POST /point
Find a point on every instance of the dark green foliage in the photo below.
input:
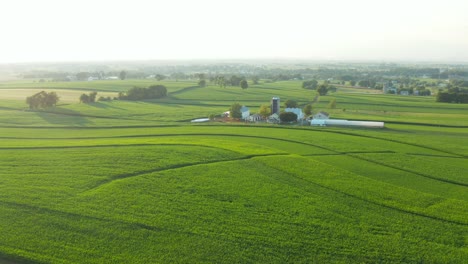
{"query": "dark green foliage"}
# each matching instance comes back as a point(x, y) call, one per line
point(86, 99)
point(244, 84)
point(332, 104)
point(123, 75)
point(287, 117)
point(139, 93)
point(159, 77)
point(82, 76)
point(255, 80)
point(202, 83)
point(102, 98)
point(220, 81)
point(322, 89)
point(235, 110)
point(307, 110)
point(290, 103)
point(235, 80)
point(312, 84)
point(42, 100)
point(453, 95)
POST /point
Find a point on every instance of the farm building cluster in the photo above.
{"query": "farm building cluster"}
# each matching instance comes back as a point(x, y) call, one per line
point(319, 119)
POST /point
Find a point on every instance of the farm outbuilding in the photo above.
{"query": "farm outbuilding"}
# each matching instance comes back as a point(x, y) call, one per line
point(297, 111)
point(340, 122)
point(255, 118)
point(245, 112)
point(322, 115)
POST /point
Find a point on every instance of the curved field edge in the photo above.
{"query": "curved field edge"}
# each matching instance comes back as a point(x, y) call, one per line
point(267, 215)
point(391, 196)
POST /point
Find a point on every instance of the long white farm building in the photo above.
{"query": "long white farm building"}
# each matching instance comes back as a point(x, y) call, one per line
point(341, 122)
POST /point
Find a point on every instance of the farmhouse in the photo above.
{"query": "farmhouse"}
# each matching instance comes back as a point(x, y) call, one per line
point(255, 118)
point(245, 112)
point(322, 115)
point(404, 92)
point(274, 118)
point(297, 111)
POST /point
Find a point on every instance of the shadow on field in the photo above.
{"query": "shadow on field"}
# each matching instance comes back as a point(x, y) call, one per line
point(184, 90)
point(61, 116)
point(104, 105)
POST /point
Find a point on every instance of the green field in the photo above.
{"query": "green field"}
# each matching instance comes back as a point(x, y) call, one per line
point(136, 182)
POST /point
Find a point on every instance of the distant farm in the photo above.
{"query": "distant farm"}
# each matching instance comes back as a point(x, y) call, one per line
point(124, 181)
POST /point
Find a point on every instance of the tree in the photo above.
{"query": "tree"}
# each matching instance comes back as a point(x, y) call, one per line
point(42, 100)
point(332, 104)
point(288, 117)
point(244, 84)
point(352, 83)
point(323, 89)
point(123, 75)
point(202, 83)
point(290, 104)
point(82, 76)
point(255, 80)
point(84, 98)
point(312, 84)
point(307, 110)
point(235, 110)
point(264, 110)
point(91, 98)
point(235, 80)
point(139, 93)
point(221, 81)
point(159, 77)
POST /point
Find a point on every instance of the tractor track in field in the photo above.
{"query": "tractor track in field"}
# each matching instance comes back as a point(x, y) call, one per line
point(373, 202)
point(262, 137)
point(44, 210)
point(111, 146)
point(250, 136)
point(412, 172)
point(176, 166)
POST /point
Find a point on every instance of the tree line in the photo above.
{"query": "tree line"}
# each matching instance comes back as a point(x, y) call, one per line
point(453, 95)
point(42, 100)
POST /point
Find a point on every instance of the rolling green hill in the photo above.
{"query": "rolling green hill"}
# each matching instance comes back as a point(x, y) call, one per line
point(136, 182)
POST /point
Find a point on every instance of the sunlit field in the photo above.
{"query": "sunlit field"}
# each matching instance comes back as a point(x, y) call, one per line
point(136, 182)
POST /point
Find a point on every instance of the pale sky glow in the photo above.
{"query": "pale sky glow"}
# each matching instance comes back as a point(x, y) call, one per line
point(95, 30)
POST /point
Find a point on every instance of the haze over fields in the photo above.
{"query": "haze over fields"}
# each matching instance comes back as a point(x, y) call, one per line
point(53, 30)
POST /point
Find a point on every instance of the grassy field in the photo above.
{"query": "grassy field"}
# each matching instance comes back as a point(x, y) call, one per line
point(136, 182)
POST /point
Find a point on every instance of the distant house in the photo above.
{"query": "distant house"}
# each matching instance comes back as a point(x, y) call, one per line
point(389, 88)
point(322, 115)
point(255, 118)
point(404, 93)
point(297, 111)
point(274, 118)
point(112, 78)
point(245, 112)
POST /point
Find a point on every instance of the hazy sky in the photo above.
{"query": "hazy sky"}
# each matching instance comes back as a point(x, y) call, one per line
point(82, 30)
